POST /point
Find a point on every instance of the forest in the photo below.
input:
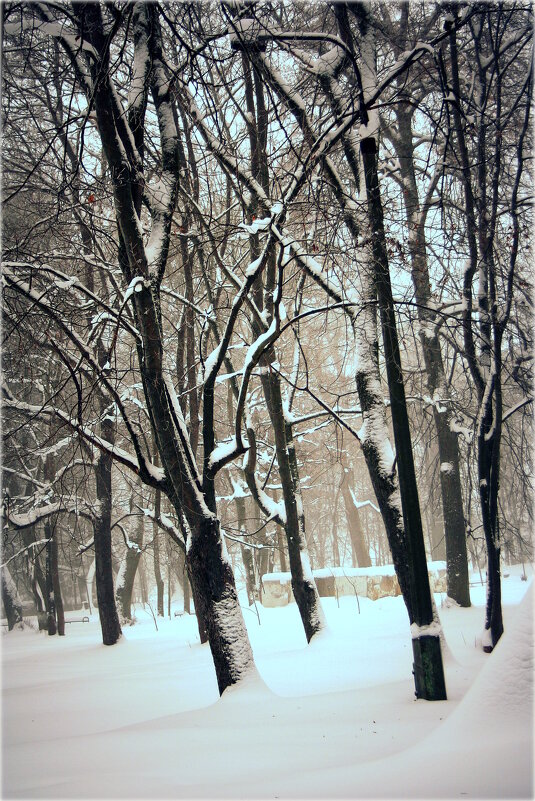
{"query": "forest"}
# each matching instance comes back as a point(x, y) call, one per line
point(266, 321)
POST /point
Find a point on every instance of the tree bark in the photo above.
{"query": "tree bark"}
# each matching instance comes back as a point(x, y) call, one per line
point(214, 590)
point(127, 574)
point(56, 585)
point(157, 569)
point(247, 557)
point(156, 538)
point(50, 601)
point(354, 525)
point(10, 599)
point(107, 609)
point(303, 585)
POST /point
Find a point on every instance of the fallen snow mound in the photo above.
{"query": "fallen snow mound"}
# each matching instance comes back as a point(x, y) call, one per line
point(471, 754)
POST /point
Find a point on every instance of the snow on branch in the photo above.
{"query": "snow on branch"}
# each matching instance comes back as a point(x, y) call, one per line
point(143, 467)
point(154, 476)
point(25, 550)
point(361, 504)
point(165, 523)
point(20, 521)
point(273, 511)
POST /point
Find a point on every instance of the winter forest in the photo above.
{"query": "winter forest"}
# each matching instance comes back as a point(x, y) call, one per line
point(267, 504)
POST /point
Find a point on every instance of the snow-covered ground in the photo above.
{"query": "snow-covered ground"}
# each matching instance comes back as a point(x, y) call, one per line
point(336, 719)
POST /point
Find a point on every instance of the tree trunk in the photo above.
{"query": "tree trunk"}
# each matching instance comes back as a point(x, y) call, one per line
point(169, 590)
point(358, 541)
point(107, 610)
point(56, 586)
point(11, 600)
point(157, 569)
point(428, 668)
point(187, 601)
point(247, 557)
point(142, 578)
point(281, 549)
point(50, 602)
point(214, 589)
point(156, 537)
point(127, 573)
point(488, 442)
point(89, 584)
point(37, 578)
point(303, 585)
point(334, 530)
point(448, 446)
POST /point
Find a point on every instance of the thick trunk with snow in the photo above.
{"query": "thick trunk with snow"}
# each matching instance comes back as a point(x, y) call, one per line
point(215, 592)
point(11, 600)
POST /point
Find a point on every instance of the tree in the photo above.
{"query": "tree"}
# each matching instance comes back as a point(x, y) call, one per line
point(492, 193)
point(401, 135)
point(143, 267)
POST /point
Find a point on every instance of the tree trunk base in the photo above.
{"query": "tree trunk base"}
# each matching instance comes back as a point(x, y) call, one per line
point(428, 669)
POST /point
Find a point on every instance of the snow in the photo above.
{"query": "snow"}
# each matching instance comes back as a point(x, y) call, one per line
point(256, 225)
point(348, 572)
point(335, 719)
point(222, 451)
point(135, 285)
point(431, 630)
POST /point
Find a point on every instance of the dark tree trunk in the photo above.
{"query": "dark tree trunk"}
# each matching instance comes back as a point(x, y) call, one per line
point(12, 605)
point(428, 668)
point(56, 586)
point(157, 569)
point(303, 585)
point(489, 440)
point(215, 599)
point(215, 591)
point(358, 541)
point(50, 601)
point(107, 610)
point(156, 538)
